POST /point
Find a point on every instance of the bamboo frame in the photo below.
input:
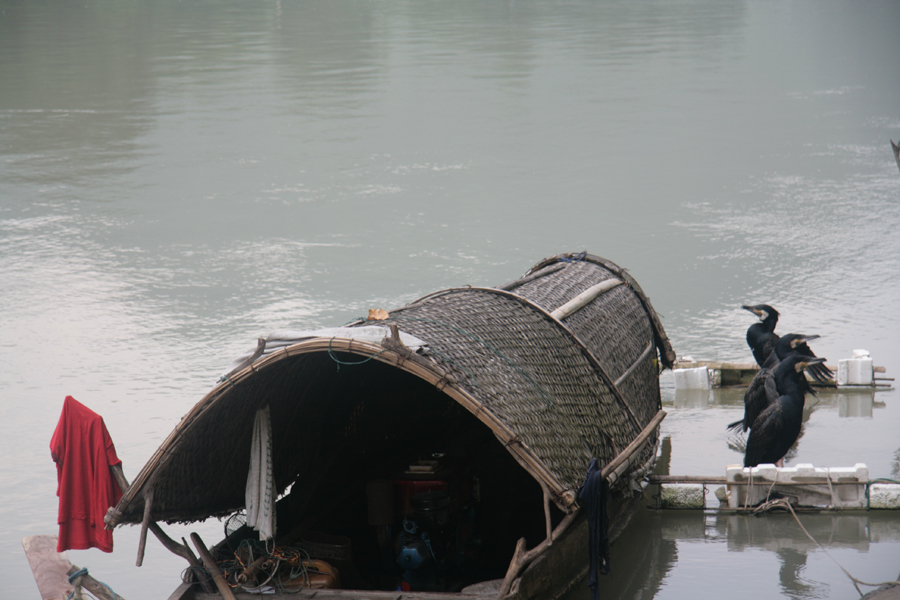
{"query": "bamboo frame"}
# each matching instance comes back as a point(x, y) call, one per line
point(612, 471)
point(635, 364)
point(428, 369)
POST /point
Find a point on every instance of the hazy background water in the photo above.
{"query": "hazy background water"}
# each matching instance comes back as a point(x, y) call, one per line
point(178, 178)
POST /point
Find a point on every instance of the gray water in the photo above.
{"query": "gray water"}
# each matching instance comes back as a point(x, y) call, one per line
point(179, 178)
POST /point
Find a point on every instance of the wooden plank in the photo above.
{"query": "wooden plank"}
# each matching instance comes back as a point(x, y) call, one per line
point(50, 568)
point(716, 364)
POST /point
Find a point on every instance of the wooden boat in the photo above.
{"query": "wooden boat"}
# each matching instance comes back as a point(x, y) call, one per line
point(437, 455)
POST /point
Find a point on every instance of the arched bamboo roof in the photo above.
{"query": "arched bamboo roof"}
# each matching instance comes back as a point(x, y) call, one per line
point(561, 365)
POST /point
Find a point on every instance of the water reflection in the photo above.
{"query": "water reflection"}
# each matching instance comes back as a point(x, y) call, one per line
point(657, 540)
point(692, 398)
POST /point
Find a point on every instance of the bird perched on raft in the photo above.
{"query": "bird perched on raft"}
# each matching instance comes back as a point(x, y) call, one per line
point(763, 390)
point(762, 339)
point(777, 427)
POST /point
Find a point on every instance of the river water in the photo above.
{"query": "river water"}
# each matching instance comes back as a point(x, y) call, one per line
point(179, 178)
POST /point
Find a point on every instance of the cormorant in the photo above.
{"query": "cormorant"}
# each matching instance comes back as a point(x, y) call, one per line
point(896, 149)
point(761, 336)
point(763, 390)
point(777, 427)
point(819, 371)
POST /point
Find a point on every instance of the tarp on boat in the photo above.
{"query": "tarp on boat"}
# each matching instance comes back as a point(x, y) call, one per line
point(562, 365)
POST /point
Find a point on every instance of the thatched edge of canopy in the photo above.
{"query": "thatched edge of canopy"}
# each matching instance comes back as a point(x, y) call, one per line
point(563, 497)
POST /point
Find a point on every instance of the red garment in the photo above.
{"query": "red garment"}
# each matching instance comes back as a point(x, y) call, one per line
point(83, 453)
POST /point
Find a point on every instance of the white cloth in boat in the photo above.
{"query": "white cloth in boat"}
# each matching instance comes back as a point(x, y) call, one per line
point(260, 493)
point(280, 339)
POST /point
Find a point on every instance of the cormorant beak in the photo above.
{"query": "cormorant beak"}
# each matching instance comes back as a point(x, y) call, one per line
point(759, 313)
point(803, 340)
point(805, 364)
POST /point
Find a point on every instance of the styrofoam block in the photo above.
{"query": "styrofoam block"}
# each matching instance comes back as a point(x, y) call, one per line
point(855, 371)
point(692, 379)
point(682, 495)
point(884, 495)
point(813, 486)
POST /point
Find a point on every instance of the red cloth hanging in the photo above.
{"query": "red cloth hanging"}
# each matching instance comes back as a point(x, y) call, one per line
point(83, 453)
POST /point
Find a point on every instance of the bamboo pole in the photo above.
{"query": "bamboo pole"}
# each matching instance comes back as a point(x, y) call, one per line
point(148, 508)
point(616, 467)
point(182, 550)
point(584, 298)
point(635, 364)
point(213, 568)
point(636, 444)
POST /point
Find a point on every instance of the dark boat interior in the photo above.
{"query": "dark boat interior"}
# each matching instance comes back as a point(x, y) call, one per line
point(396, 485)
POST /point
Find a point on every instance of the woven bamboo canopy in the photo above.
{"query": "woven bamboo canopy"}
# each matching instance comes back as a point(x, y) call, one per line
point(560, 366)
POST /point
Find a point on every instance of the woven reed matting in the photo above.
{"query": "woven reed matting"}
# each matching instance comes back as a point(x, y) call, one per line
point(546, 382)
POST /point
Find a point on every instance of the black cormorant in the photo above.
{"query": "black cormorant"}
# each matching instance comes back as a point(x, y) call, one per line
point(896, 149)
point(763, 390)
point(819, 371)
point(761, 336)
point(777, 427)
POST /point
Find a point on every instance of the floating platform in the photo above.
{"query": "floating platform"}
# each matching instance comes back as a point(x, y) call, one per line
point(855, 373)
point(805, 487)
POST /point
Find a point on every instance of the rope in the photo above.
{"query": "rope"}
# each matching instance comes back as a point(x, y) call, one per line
point(250, 549)
point(783, 502)
point(83, 572)
point(574, 259)
point(341, 362)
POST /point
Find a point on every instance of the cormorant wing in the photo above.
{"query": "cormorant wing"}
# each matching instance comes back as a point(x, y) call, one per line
point(819, 371)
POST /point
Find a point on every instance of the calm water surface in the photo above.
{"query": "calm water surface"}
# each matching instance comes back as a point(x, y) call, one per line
point(178, 178)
